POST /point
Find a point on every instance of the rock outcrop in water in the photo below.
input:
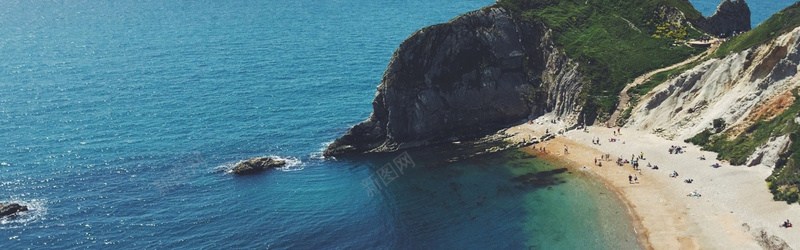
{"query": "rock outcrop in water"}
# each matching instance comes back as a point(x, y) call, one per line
point(11, 209)
point(256, 165)
point(480, 72)
point(731, 16)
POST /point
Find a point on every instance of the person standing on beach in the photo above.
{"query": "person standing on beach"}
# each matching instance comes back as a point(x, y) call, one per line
point(635, 178)
point(630, 178)
point(566, 151)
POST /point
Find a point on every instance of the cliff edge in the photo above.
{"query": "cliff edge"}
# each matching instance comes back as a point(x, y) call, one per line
point(518, 60)
point(478, 73)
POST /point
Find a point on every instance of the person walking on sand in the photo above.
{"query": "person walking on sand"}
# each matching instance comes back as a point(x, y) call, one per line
point(635, 178)
point(630, 178)
point(566, 151)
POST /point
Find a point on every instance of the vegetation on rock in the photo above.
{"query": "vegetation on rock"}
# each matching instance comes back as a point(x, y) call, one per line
point(615, 41)
point(785, 179)
point(784, 182)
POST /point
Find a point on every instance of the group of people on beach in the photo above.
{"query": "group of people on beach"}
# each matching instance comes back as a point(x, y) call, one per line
point(634, 179)
point(675, 149)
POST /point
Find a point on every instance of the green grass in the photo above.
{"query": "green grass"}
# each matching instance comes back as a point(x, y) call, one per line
point(684, 6)
point(782, 22)
point(701, 139)
point(658, 78)
point(737, 150)
point(597, 35)
point(784, 182)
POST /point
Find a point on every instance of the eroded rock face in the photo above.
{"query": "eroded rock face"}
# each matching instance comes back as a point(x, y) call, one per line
point(769, 153)
point(737, 88)
point(256, 165)
point(731, 16)
point(478, 73)
point(11, 209)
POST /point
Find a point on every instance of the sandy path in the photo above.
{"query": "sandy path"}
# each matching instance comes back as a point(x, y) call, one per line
point(735, 203)
point(624, 99)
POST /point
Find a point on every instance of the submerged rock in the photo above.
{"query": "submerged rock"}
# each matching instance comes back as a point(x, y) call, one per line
point(256, 165)
point(11, 209)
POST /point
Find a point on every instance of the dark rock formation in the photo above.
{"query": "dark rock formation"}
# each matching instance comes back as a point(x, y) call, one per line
point(480, 72)
point(256, 165)
point(11, 209)
point(731, 16)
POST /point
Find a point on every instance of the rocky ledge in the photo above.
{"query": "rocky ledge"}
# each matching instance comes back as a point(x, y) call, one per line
point(11, 209)
point(256, 165)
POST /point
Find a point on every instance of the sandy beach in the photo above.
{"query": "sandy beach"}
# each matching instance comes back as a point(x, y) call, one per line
point(734, 209)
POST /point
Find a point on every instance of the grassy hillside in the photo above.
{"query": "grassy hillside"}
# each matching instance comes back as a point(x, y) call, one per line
point(614, 40)
point(780, 23)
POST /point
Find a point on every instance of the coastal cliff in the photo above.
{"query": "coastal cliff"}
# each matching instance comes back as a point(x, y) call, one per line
point(478, 73)
point(742, 104)
point(729, 18)
point(518, 60)
point(737, 89)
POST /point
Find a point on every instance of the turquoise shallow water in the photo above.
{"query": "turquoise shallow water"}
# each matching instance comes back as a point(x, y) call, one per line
point(118, 120)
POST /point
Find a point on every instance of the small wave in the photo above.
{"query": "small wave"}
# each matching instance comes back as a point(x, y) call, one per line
point(292, 163)
point(225, 168)
point(4, 164)
point(320, 154)
point(36, 210)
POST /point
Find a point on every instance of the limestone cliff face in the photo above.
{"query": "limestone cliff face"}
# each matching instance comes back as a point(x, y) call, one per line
point(739, 88)
point(480, 72)
point(731, 16)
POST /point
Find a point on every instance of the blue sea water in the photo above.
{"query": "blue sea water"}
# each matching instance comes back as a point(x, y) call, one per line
point(119, 119)
point(760, 10)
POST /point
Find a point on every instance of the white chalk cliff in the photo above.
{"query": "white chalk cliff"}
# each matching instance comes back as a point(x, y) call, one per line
point(739, 88)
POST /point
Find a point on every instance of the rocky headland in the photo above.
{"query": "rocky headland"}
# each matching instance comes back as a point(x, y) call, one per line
point(474, 75)
point(732, 16)
point(487, 70)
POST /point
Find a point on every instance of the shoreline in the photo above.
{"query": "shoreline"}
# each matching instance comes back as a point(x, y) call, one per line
point(638, 228)
point(734, 209)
